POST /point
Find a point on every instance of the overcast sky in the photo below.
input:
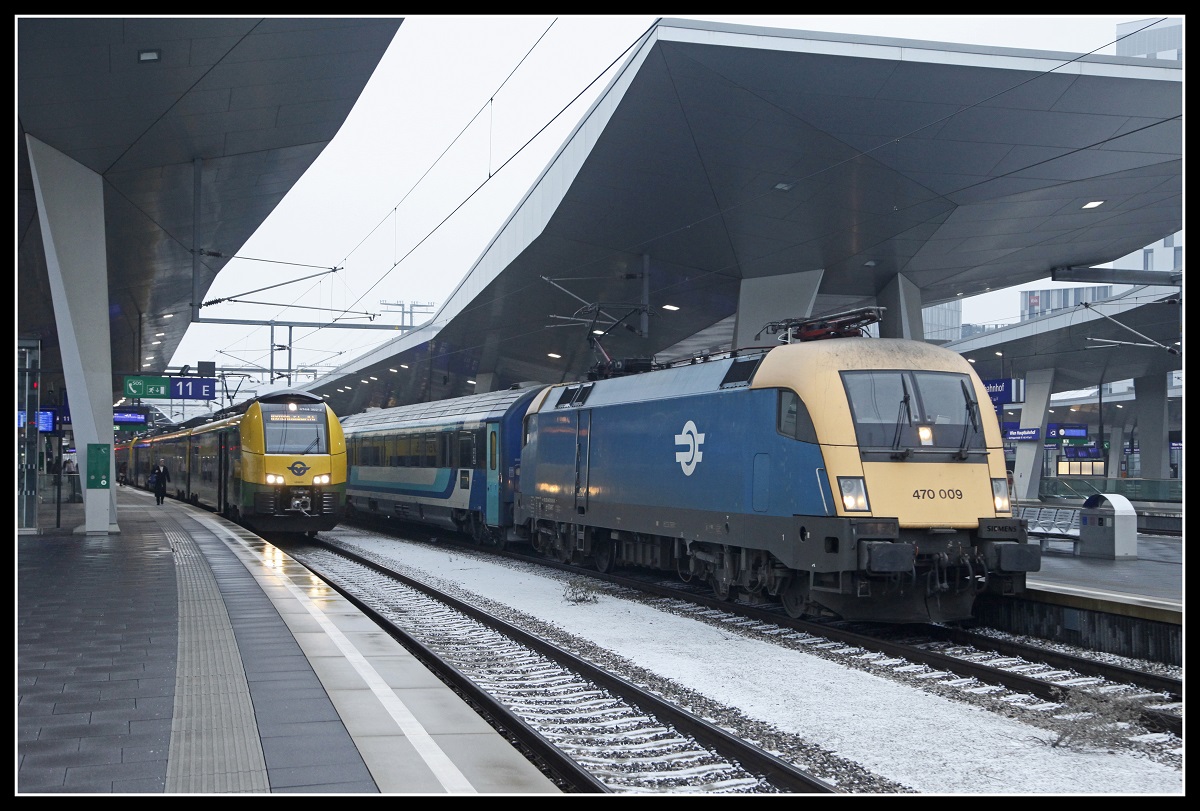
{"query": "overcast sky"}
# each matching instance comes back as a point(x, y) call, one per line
point(461, 116)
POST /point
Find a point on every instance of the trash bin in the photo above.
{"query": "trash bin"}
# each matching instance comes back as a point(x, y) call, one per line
point(1108, 528)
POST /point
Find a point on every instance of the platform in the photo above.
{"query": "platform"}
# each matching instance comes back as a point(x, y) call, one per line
point(187, 655)
point(1154, 580)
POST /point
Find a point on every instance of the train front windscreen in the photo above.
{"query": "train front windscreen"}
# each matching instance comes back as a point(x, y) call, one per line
point(914, 410)
point(295, 428)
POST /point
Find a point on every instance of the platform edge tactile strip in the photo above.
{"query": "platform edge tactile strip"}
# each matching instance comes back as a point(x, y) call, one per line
point(215, 744)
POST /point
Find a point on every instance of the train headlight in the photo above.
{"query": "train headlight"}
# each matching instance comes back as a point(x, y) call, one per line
point(1000, 495)
point(322, 479)
point(273, 479)
point(854, 494)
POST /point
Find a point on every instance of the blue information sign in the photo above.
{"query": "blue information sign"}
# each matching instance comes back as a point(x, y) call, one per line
point(1005, 390)
point(1064, 430)
point(1022, 434)
point(193, 388)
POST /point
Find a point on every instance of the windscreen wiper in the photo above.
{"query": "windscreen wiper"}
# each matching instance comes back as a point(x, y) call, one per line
point(972, 421)
point(905, 409)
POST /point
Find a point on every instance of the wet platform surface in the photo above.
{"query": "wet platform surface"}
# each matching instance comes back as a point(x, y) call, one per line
point(187, 655)
point(1153, 579)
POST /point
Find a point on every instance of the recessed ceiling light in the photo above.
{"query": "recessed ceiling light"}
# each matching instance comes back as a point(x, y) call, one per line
point(552, 355)
point(1094, 204)
point(391, 370)
point(472, 382)
point(999, 354)
point(403, 366)
point(784, 185)
point(970, 360)
point(149, 55)
point(870, 263)
point(671, 307)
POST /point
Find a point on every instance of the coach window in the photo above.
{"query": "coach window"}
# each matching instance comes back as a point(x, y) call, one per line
point(466, 449)
point(492, 450)
point(794, 420)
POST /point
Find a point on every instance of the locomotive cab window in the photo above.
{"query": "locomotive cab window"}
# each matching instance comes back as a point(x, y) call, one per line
point(295, 428)
point(794, 420)
point(907, 412)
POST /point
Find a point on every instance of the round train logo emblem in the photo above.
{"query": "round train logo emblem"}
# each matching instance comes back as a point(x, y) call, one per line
point(689, 458)
point(298, 468)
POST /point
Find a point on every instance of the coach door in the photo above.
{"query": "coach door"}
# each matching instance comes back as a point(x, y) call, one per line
point(583, 453)
point(222, 472)
point(493, 474)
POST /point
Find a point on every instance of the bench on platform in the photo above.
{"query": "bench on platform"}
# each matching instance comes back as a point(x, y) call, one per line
point(1053, 523)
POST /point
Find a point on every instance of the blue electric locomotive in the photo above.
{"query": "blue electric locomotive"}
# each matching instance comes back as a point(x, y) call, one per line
point(854, 477)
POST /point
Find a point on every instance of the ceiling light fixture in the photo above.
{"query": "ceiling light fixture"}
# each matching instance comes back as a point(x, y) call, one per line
point(1094, 204)
point(670, 307)
point(783, 185)
point(552, 355)
point(146, 55)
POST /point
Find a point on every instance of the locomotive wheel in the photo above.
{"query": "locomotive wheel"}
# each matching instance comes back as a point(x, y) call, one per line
point(724, 590)
point(605, 555)
point(794, 597)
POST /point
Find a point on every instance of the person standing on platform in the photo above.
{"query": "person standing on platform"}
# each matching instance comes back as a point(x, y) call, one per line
point(159, 476)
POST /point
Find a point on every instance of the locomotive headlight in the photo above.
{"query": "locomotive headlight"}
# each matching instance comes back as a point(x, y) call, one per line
point(322, 479)
point(925, 434)
point(854, 494)
point(1000, 495)
point(273, 479)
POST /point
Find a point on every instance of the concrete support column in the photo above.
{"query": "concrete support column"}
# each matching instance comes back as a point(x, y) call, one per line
point(902, 317)
point(70, 201)
point(1027, 469)
point(773, 298)
point(1116, 451)
point(1152, 431)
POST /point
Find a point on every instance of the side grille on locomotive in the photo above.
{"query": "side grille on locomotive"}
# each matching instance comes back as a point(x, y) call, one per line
point(328, 503)
point(265, 503)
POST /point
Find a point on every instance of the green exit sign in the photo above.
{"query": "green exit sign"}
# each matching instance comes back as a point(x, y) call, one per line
point(148, 387)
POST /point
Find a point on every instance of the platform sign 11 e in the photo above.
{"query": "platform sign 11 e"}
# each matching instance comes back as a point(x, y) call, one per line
point(194, 388)
point(171, 388)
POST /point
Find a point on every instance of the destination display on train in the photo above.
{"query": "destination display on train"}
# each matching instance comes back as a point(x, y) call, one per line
point(291, 417)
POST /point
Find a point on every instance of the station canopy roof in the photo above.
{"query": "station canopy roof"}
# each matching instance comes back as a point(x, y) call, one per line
point(724, 153)
point(718, 154)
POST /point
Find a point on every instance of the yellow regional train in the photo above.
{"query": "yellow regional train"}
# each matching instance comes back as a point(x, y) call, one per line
point(278, 465)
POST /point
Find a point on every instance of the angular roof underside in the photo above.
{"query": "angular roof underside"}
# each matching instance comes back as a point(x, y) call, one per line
point(721, 153)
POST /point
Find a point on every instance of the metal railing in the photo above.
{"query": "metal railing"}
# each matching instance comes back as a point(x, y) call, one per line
point(1169, 491)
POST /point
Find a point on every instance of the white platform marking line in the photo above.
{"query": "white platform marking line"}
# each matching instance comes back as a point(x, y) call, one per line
point(439, 763)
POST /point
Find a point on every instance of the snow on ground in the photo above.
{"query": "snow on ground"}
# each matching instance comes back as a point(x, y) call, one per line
point(926, 742)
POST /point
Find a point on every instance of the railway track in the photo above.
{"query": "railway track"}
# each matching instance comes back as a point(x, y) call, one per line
point(970, 666)
point(592, 730)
